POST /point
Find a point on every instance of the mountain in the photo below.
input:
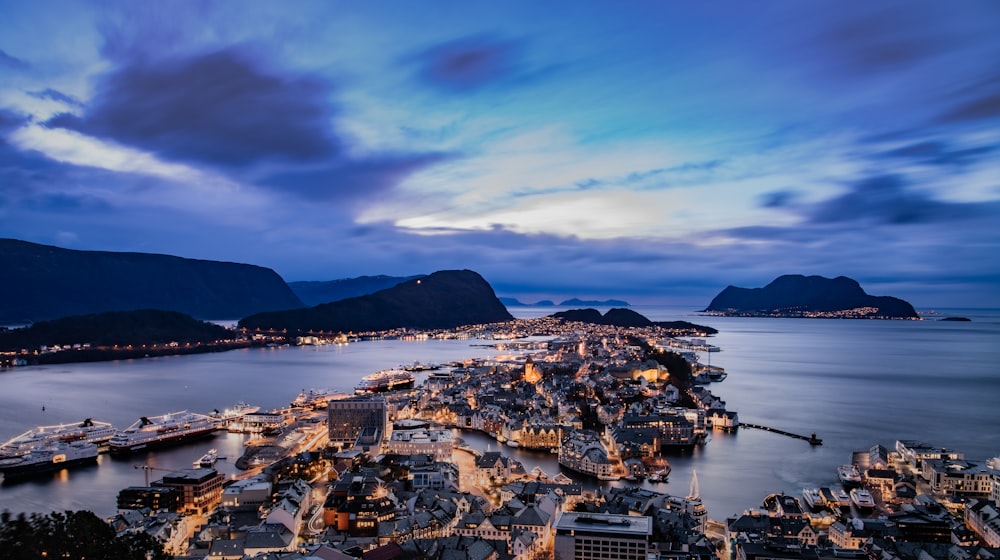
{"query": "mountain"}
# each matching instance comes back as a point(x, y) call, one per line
point(315, 293)
point(147, 326)
point(445, 299)
point(797, 295)
point(627, 318)
point(43, 282)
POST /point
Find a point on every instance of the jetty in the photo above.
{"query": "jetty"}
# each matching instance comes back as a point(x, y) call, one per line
point(812, 439)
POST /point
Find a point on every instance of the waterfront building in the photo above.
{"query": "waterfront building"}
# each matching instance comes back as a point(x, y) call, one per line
point(593, 536)
point(958, 477)
point(914, 453)
point(200, 489)
point(544, 436)
point(415, 437)
point(583, 451)
point(358, 422)
point(676, 430)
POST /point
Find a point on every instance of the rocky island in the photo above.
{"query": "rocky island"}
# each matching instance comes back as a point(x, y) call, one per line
point(795, 295)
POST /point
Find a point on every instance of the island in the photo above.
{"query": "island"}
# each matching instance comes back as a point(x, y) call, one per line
point(795, 295)
point(617, 317)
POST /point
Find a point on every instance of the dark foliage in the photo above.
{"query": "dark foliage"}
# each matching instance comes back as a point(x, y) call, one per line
point(148, 326)
point(627, 318)
point(445, 299)
point(72, 534)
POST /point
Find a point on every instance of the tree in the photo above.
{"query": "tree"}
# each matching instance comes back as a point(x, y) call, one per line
point(72, 534)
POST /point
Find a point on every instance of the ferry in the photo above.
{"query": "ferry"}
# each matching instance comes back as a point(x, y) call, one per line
point(316, 398)
point(160, 431)
point(208, 459)
point(385, 380)
point(849, 476)
point(50, 458)
point(88, 430)
point(862, 498)
point(813, 497)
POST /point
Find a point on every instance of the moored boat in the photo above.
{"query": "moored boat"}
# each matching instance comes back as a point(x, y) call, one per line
point(151, 432)
point(88, 430)
point(812, 497)
point(862, 498)
point(849, 476)
point(50, 458)
point(208, 459)
point(316, 398)
point(385, 380)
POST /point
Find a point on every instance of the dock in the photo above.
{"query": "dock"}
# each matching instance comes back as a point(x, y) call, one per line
point(812, 439)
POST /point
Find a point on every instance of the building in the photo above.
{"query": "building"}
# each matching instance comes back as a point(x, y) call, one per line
point(414, 437)
point(983, 518)
point(200, 489)
point(592, 536)
point(152, 497)
point(358, 421)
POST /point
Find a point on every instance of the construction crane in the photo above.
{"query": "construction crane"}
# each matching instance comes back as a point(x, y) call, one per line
point(148, 468)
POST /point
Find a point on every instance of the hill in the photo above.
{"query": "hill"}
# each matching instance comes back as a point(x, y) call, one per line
point(795, 295)
point(44, 282)
point(445, 299)
point(315, 293)
point(594, 303)
point(628, 318)
point(121, 328)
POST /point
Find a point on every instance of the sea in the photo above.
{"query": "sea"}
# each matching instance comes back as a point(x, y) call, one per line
point(854, 383)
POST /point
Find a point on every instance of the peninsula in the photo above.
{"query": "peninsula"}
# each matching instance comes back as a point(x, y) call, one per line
point(795, 295)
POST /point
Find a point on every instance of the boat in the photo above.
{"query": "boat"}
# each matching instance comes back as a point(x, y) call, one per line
point(88, 430)
point(237, 411)
point(513, 443)
point(385, 380)
point(812, 497)
point(849, 476)
point(842, 498)
point(53, 457)
point(208, 459)
point(315, 398)
point(150, 432)
point(659, 476)
point(862, 498)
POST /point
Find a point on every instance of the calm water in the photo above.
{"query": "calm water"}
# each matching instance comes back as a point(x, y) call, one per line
point(854, 383)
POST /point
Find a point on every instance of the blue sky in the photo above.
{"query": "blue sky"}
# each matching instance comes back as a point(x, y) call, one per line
point(649, 151)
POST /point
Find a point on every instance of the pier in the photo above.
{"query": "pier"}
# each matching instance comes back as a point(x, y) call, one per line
point(813, 440)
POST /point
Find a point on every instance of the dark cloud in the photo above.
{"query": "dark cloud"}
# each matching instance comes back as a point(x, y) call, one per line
point(223, 108)
point(886, 199)
point(469, 63)
point(12, 62)
point(777, 199)
point(980, 102)
point(936, 152)
point(56, 95)
point(352, 180)
point(9, 120)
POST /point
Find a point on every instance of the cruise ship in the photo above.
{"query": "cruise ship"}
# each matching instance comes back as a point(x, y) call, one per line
point(53, 457)
point(208, 459)
point(316, 398)
point(150, 432)
point(385, 380)
point(88, 431)
point(850, 476)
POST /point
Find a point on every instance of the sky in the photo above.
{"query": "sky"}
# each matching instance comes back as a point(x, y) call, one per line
point(649, 151)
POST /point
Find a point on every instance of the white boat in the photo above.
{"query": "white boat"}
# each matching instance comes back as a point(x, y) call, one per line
point(842, 498)
point(51, 458)
point(208, 459)
point(88, 430)
point(385, 380)
point(316, 398)
point(812, 497)
point(849, 475)
point(150, 432)
point(862, 498)
point(513, 443)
